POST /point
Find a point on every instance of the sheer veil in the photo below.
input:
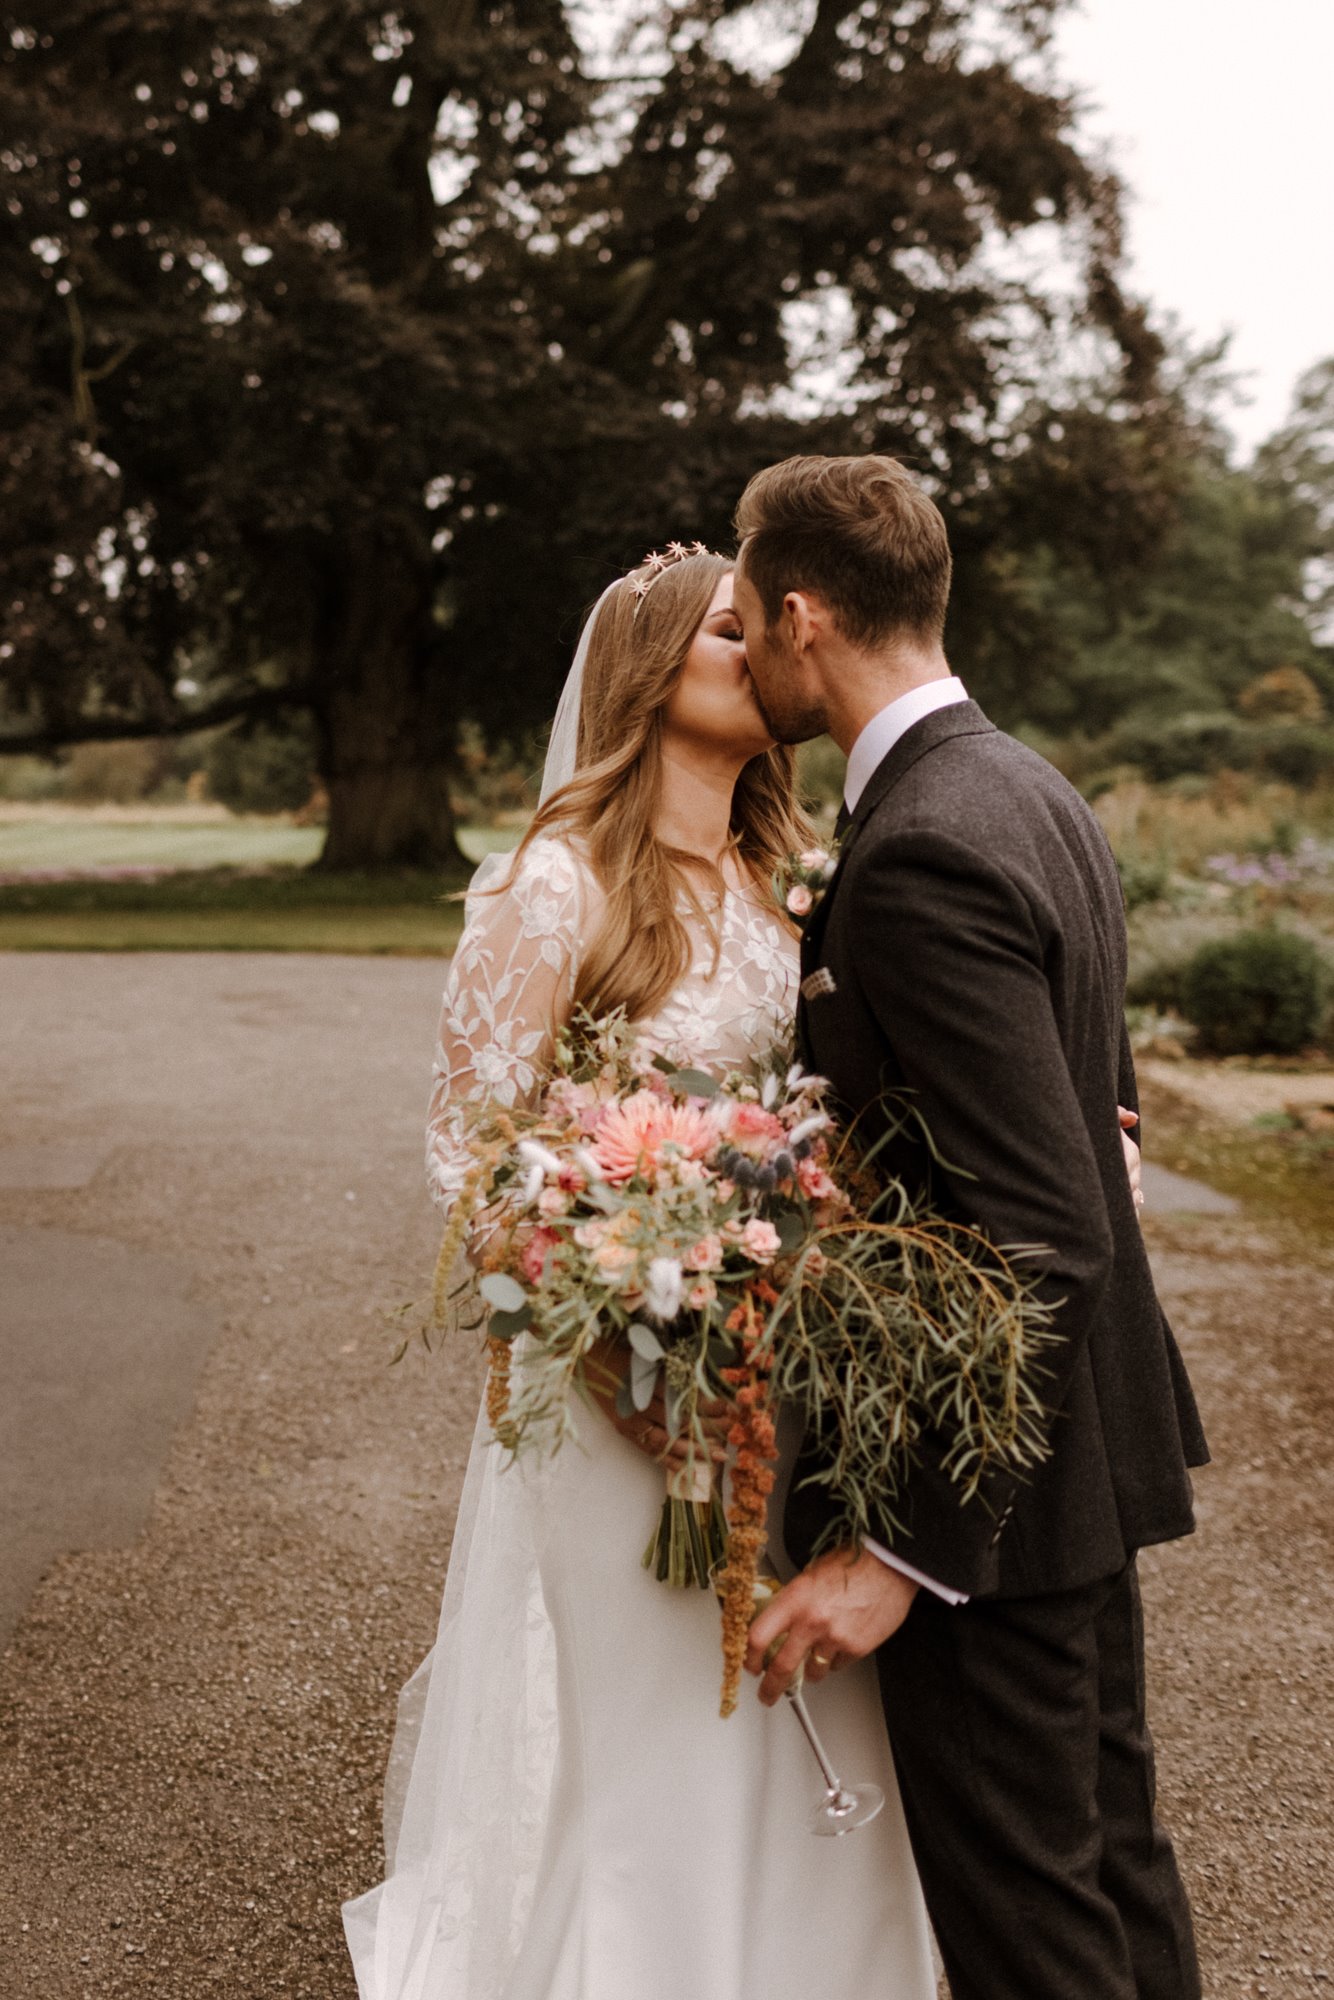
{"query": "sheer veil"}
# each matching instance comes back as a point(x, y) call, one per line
point(474, 1750)
point(563, 747)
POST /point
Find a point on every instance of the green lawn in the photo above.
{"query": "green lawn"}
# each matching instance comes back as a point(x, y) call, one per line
point(213, 901)
point(157, 842)
point(406, 931)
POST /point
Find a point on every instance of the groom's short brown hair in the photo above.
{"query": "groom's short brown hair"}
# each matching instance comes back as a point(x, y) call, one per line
point(858, 532)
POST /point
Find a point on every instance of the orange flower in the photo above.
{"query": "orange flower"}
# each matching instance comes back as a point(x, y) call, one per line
point(755, 1434)
point(498, 1392)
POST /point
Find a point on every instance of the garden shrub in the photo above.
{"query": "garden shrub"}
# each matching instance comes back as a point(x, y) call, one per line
point(1299, 755)
point(1186, 743)
point(1143, 881)
point(1158, 986)
point(262, 767)
point(1257, 993)
point(1283, 694)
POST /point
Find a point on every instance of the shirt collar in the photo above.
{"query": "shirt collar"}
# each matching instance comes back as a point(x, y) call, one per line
point(883, 731)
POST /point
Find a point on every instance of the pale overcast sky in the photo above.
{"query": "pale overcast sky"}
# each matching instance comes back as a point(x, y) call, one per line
point(1222, 118)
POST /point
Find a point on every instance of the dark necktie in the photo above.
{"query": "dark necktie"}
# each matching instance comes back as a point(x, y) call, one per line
point(842, 823)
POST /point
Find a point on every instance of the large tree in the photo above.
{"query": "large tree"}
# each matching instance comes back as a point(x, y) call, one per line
point(353, 346)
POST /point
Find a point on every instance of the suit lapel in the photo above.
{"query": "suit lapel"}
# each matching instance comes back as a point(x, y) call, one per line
point(961, 718)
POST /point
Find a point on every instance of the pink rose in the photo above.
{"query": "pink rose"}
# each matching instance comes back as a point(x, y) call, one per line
point(552, 1202)
point(760, 1240)
point(815, 1183)
point(812, 858)
point(753, 1130)
point(706, 1255)
point(701, 1294)
point(800, 901)
point(535, 1253)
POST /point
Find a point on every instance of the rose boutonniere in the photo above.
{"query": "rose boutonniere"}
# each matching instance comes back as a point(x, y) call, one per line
point(801, 883)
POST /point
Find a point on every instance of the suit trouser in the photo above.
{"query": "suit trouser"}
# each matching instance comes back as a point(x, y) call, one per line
point(1026, 1768)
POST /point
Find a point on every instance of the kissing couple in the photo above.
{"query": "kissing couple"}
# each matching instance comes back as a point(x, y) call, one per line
point(566, 1817)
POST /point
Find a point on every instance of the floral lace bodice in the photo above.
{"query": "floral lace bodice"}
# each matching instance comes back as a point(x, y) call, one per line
point(510, 985)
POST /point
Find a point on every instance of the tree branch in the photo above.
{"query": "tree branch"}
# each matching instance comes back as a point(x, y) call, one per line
point(116, 729)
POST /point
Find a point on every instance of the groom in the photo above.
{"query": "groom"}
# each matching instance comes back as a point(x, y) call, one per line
point(970, 955)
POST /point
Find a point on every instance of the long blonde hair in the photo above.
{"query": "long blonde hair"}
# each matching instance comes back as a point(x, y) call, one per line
point(636, 654)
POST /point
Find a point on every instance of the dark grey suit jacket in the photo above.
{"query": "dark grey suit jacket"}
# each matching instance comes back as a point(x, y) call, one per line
point(975, 934)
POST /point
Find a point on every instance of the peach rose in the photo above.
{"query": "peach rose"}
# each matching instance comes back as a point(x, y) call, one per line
point(760, 1240)
point(701, 1294)
point(706, 1255)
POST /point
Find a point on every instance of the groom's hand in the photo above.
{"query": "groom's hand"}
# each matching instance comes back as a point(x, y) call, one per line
point(839, 1609)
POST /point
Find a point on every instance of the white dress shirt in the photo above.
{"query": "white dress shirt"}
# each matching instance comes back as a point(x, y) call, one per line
point(883, 731)
point(870, 750)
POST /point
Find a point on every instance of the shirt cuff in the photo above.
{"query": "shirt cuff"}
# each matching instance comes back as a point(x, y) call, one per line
point(943, 1590)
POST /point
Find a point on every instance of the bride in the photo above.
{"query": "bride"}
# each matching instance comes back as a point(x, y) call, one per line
point(566, 1816)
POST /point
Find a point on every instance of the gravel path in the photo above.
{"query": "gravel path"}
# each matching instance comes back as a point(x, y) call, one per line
point(193, 1724)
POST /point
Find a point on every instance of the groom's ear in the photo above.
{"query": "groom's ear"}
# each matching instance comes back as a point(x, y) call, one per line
point(803, 620)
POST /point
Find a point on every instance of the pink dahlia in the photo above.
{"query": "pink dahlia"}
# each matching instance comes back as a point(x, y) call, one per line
point(633, 1136)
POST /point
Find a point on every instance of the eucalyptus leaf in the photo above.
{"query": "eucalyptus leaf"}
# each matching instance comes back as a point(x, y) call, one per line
point(502, 1292)
point(645, 1341)
point(693, 1083)
point(504, 1326)
point(625, 1402)
point(791, 1228)
point(643, 1380)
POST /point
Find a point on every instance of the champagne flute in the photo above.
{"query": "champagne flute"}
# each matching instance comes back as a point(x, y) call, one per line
point(843, 1808)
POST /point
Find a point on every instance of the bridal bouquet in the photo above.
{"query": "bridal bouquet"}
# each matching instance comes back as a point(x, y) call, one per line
point(730, 1243)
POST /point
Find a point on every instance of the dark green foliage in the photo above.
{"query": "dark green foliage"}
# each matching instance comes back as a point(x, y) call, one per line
point(1179, 746)
point(1218, 742)
point(1142, 881)
point(1159, 985)
point(261, 767)
point(1260, 992)
point(360, 441)
point(1216, 603)
point(1300, 756)
point(1297, 463)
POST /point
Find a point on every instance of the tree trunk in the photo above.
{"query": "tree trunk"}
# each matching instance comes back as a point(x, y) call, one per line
point(386, 726)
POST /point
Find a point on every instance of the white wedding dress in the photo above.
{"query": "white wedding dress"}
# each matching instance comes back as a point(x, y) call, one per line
point(566, 1816)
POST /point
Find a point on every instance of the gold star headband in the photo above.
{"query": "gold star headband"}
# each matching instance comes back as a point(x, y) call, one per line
point(656, 561)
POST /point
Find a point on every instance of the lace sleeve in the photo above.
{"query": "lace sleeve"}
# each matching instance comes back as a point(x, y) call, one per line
point(507, 994)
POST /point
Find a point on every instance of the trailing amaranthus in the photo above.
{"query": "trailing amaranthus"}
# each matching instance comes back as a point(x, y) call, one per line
point(456, 1234)
point(500, 1353)
point(754, 1434)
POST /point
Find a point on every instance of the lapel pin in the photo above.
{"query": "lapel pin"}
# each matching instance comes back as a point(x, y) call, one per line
point(816, 985)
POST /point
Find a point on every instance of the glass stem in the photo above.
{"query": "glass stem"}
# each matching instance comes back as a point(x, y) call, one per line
point(831, 1777)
